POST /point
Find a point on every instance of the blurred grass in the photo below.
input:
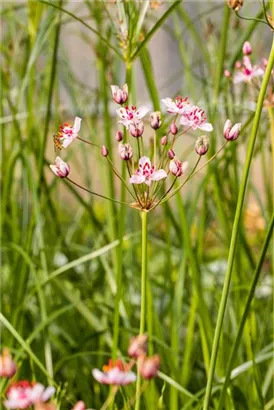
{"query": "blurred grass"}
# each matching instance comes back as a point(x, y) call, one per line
point(60, 253)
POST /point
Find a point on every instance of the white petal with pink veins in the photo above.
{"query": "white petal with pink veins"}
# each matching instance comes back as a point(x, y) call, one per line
point(137, 179)
point(144, 160)
point(77, 125)
point(206, 127)
point(141, 112)
point(157, 175)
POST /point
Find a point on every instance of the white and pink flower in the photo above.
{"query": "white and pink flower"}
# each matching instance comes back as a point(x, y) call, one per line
point(61, 169)
point(69, 133)
point(176, 106)
point(129, 115)
point(23, 394)
point(178, 167)
point(119, 95)
point(194, 117)
point(146, 173)
point(114, 373)
point(247, 72)
point(149, 366)
point(7, 365)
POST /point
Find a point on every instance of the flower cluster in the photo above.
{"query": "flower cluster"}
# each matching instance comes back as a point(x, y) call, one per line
point(23, 394)
point(151, 181)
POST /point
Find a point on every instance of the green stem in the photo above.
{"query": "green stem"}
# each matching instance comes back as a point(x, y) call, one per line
point(236, 344)
point(235, 229)
point(143, 296)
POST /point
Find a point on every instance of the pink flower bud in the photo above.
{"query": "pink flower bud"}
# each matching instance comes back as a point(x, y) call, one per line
point(238, 64)
point(227, 73)
point(61, 168)
point(119, 136)
point(125, 151)
point(164, 140)
point(7, 365)
point(80, 405)
point(177, 167)
point(104, 151)
point(138, 346)
point(247, 49)
point(234, 132)
point(171, 154)
point(173, 128)
point(119, 95)
point(155, 120)
point(149, 366)
point(227, 128)
point(136, 128)
point(202, 145)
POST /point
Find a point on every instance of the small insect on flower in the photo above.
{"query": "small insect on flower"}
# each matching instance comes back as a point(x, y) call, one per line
point(235, 4)
point(114, 373)
point(57, 143)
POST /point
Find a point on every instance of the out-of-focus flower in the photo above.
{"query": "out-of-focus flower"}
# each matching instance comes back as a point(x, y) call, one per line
point(235, 4)
point(69, 133)
point(119, 95)
point(129, 115)
point(7, 365)
point(136, 128)
point(138, 346)
point(176, 106)
point(149, 366)
point(61, 168)
point(114, 373)
point(22, 394)
point(164, 140)
point(202, 145)
point(119, 136)
point(248, 72)
point(45, 406)
point(195, 118)
point(80, 405)
point(231, 133)
point(227, 73)
point(155, 120)
point(173, 128)
point(247, 49)
point(146, 173)
point(104, 151)
point(125, 151)
point(177, 167)
point(238, 64)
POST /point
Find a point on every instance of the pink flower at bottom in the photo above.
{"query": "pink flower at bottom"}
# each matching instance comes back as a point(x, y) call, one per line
point(80, 405)
point(147, 173)
point(7, 365)
point(115, 373)
point(22, 394)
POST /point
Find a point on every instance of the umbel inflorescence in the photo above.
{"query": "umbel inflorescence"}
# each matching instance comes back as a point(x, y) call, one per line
point(150, 181)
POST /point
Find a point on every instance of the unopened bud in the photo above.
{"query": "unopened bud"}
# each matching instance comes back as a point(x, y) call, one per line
point(155, 120)
point(149, 366)
point(80, 405)
point(119, 95)
point(171, 154)
point(125, 151)
point(234, 132)
point(119, 136)
point(177, 167)
point(138, 346)
point(136, 128)
point(247, 49)
point(104, 151)
point(164, 140)
point(227, 73)
point(238, 64)
point(173, 128)
point(7, 365)
point(202, 145)
point(235, 4)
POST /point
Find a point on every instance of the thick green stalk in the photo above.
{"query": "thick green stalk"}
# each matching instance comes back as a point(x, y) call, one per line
point(235, 229)
point(143, 297)
point(236, 344)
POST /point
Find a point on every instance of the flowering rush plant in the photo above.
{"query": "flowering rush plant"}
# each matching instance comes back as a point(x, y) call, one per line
point(151, 178)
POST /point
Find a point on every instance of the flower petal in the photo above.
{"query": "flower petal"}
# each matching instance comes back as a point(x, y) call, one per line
point(77, 125)
point(99, 376)
point(137, 179)
point(48, 392)
point(143, 161)
point(206, 127)
point(141, 112)
point(157, 175)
